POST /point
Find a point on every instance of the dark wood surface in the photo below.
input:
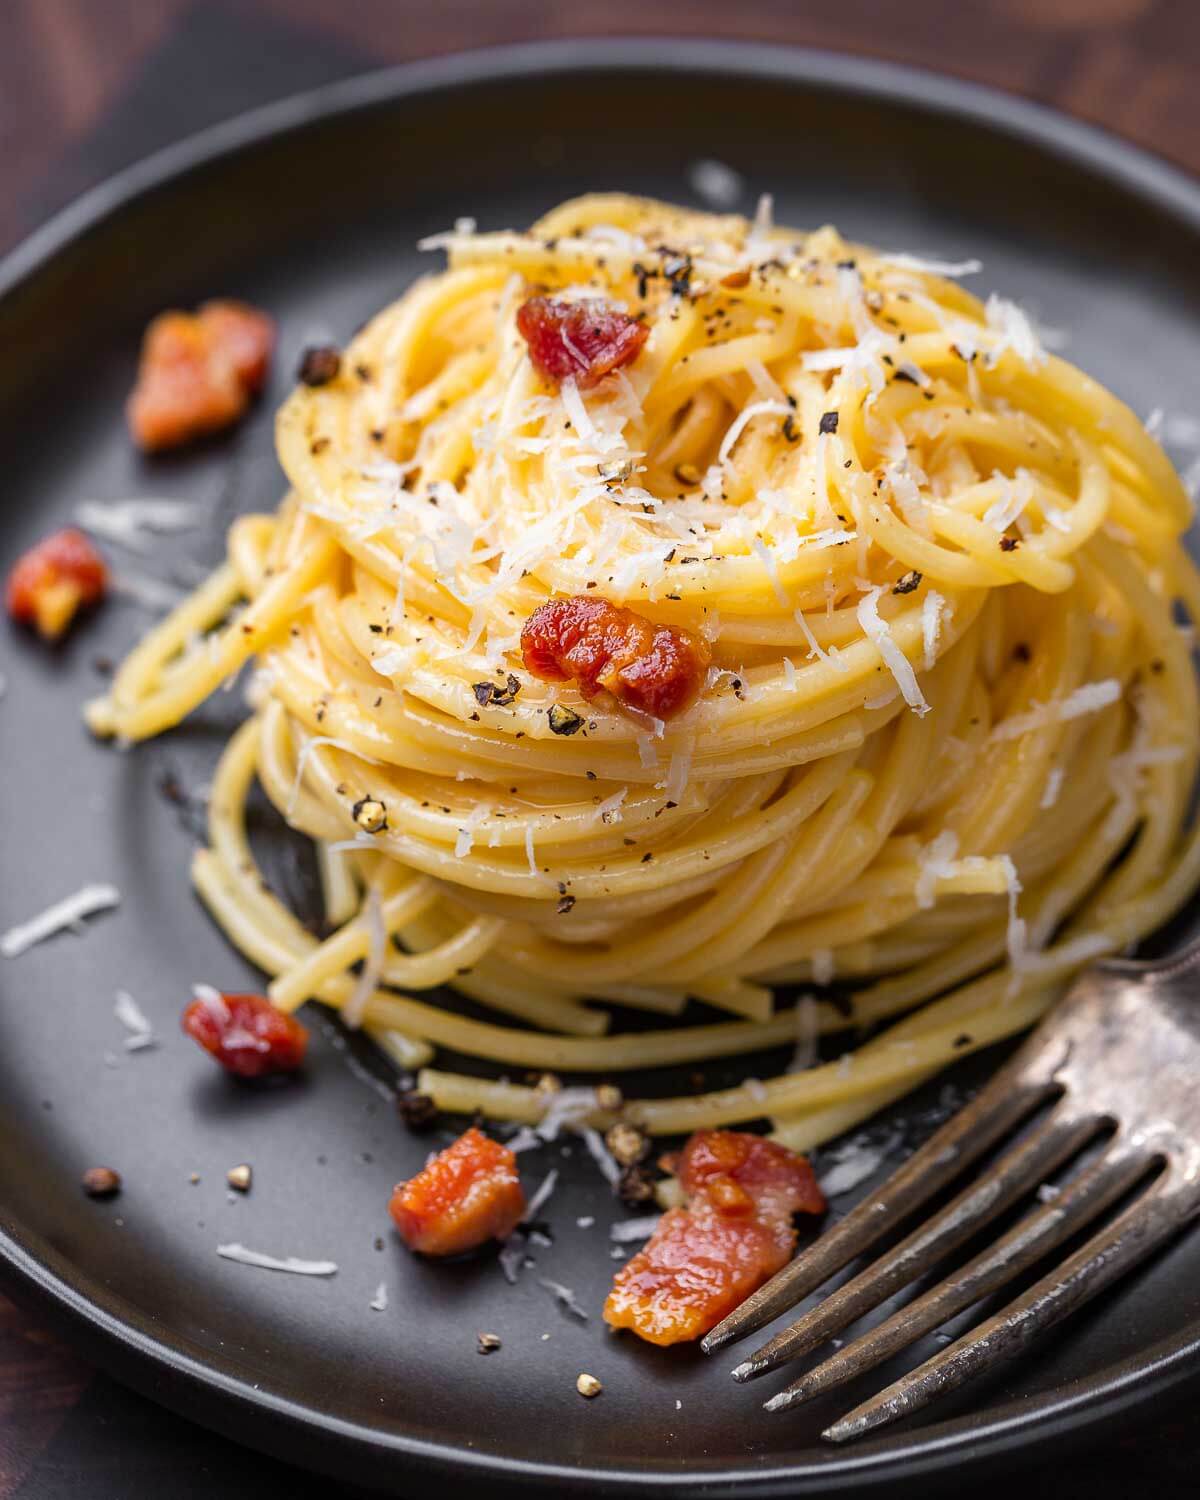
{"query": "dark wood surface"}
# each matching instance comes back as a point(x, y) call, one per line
point(87, 86)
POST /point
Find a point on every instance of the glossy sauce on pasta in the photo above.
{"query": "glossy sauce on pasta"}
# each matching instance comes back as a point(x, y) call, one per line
point(933, 574)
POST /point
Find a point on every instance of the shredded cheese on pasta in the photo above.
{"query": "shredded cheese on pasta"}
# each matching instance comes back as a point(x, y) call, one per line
point(898, 523)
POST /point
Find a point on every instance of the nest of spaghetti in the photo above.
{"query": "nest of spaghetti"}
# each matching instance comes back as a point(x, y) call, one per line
point(940, 736)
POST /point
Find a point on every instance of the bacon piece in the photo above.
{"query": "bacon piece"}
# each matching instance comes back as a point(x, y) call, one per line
point(598, 644)
point(246, 1034)
point(246, 335)
point(581, 340)
point(467, 1194)
point(697, 1267)
point(198, 372)
point(51, 582)
point(704, 1260)
point(775, 1180)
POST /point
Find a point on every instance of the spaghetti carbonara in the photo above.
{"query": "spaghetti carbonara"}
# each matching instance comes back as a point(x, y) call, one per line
point(946, 732)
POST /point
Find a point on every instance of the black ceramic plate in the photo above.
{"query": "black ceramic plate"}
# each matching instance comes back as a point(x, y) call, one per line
point(312, 209)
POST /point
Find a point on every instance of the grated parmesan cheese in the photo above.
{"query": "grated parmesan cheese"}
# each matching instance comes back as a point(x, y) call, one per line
point(620, 239)
point(1016, 332)
point(302, 762)
point(129, 1013)
point(1015, 939)
point(938, 863)
point(625, 1230)
point(544, 1189)
point(1015, 495)
point(69, 912)
point(565, 1295)
point(1079, 950)
point(127, 522)
point(759, 239)
point(290, 1263)
point(772, 571)
point(600, 1154)
point(212, 1000)
point(1058, 519)
point(609, 811)
point(379, 1301)
point(907, 495)
point(876, 630)
point(511, 1258)
point(861, 362)
point(743, 420)
point(576, 411)
point(832, 657)
point(853, 1162)
point(677, 775)
point(807, 1031)
point(822, 966)
point(1125, 775)
point(914, 373)
point(763, 381)
point(930, 265)
point(931, 625)
point(445, 239)
point(1052, 788)
point(1088, 699)
point(846, 1175)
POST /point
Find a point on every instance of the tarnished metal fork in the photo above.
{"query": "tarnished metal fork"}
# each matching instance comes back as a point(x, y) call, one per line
point(1119, 1055)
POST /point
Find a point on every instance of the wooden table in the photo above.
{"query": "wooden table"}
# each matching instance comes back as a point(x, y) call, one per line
point(87, 86)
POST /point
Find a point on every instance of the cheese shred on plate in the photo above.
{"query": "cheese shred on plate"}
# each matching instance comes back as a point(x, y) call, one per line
point(291, 1263)
point(69, 912)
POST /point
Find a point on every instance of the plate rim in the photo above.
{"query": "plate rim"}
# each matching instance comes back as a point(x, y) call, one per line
point(169, 1374)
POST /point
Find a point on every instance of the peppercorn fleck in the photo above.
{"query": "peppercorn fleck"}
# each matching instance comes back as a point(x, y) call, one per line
point(417, 1110)
point(319, 365)
point(910, 581)
point(101, 1182)
point(564, 721)
point(370, 814)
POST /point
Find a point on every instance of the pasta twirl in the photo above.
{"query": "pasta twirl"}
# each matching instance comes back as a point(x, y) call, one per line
point(945, 745)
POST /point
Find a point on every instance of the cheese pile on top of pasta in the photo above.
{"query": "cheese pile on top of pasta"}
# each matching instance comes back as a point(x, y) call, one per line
point(905, 588)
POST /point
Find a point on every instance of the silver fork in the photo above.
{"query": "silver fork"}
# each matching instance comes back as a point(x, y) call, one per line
point(1120, 1052)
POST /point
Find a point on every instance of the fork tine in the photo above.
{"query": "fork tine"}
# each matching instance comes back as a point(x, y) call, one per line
point(1130, 1238)
point(1089, 1194)
point(1011, 1096)
point(1030, 1161)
